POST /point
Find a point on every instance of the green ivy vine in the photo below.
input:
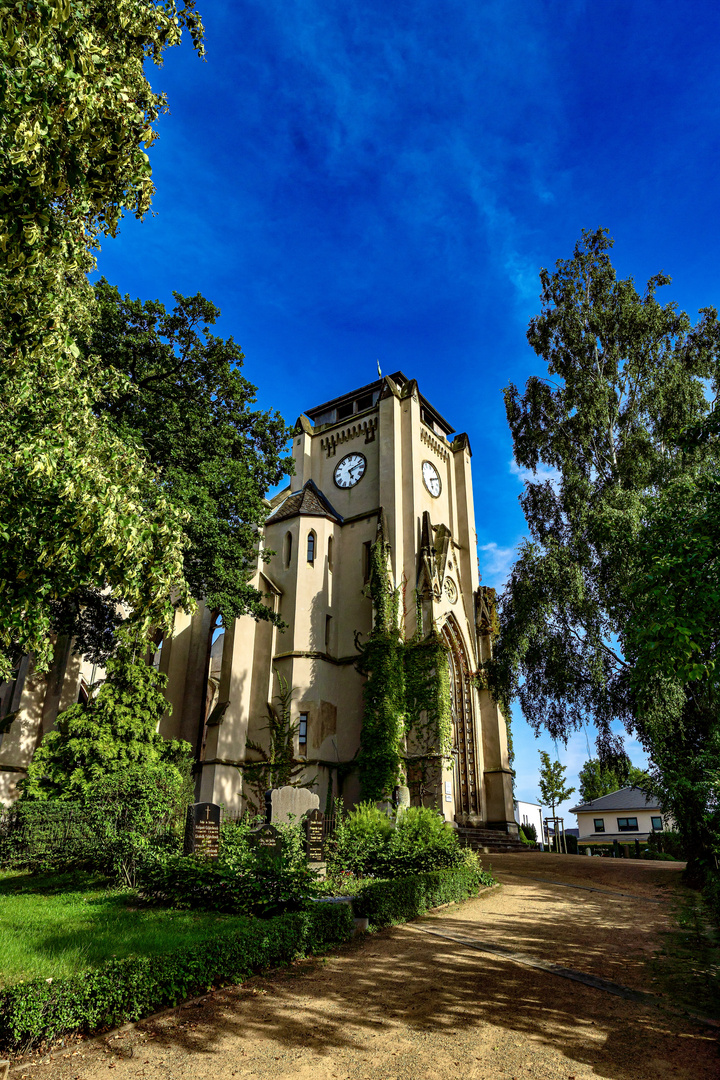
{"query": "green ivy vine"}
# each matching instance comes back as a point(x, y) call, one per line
point(407, 690)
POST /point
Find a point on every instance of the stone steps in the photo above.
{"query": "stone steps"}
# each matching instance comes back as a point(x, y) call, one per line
point(489, 841)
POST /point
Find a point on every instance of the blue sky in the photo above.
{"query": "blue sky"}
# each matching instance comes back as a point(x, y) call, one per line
point(381, 180)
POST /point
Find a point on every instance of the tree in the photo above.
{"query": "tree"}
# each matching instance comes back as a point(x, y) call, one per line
point(552, 782)
point(108, 736)
point(277, 765)
point(77, 507)
point(624, 379)
point(187, 405)
point(672, 639)
point(598, 779)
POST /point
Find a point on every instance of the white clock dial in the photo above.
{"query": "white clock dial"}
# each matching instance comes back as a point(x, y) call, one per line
point(350, 470)
point(431, 479)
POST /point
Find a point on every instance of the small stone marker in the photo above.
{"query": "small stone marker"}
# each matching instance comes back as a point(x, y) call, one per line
point(266, 838)
point(292, 802)
point(314, 835)
point(202, 832)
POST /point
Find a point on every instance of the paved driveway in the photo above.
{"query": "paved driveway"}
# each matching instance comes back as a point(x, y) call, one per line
point(486, 990)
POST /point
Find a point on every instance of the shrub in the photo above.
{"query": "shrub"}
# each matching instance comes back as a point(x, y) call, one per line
point(368, 842)
point(386, 902)
point(571, 842)
point(124, 990)
point(530, 832)
point(667, 842)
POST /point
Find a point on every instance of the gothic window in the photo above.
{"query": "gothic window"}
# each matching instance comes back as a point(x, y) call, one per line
point(366, 559)
point(328, 624)
point(330, 553)
point(311, 547)
point(302, 734)
point(287, 550)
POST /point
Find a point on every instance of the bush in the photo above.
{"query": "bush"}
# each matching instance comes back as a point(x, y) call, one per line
point(667, 842)
point(530, 832)
point(367, 842)
point(124, 990)
point(386, 902)
point(571, 842)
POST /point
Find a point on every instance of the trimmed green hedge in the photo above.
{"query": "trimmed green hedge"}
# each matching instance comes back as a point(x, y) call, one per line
point(123, 990)
point(386, 902)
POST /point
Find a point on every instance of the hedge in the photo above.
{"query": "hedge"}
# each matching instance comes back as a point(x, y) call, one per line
point(42, 1010)
point(386, 902)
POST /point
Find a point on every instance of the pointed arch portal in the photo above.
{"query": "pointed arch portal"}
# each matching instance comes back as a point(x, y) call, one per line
point(467, 794)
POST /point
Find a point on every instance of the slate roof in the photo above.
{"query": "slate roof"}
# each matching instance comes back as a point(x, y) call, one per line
point(309, 500)
point(627, 798)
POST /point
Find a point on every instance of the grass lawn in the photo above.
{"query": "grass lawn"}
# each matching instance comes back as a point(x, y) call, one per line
point(57, 925)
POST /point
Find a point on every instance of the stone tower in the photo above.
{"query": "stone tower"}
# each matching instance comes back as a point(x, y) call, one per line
point(377, 456)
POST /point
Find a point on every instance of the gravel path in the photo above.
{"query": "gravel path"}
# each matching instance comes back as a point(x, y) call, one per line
point(406, 1004)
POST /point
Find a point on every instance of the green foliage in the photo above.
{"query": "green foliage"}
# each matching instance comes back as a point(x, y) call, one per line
point(406, 692)
point(529, 832)
point(278, 766)
point(368, 842)
point(190, 409)
point(667, 842)
point(94, 744)
point(387, 902)
point(624, 378)
point(125, 990)
point(78, 507)
point(598, 778)
point(552, 782)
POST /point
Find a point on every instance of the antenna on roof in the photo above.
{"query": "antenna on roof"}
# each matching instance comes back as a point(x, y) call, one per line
point(379, 371)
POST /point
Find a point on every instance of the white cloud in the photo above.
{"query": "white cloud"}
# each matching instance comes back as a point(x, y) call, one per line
point(496, 563)
point(541, 474)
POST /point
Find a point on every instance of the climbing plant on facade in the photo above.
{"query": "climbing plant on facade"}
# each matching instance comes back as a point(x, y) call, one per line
point(408, 717)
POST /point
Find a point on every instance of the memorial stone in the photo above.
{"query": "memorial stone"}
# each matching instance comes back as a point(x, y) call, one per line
point(202, 832)
point(291, 803)
point(266, 838)
point(314, 824)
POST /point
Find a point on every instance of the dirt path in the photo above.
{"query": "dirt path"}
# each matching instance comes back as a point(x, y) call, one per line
point(409, 1005)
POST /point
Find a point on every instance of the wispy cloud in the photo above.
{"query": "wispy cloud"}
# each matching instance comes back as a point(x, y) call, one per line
point(539, 476)
point(496, 563)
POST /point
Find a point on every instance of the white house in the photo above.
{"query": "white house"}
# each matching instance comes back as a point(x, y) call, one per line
point(624, 815)
point(529, 813)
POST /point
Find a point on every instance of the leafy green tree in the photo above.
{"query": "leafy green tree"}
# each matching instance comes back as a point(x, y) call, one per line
point(672, 638)
point(78, 508)
point(109, 736)
point(600, 435)
point(598, 779)
point(187, 405)
point(552, 782)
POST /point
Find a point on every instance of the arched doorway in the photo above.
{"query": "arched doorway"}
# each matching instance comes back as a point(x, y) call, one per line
point(467, 793)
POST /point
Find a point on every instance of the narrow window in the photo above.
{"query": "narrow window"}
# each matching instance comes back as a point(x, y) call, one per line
point(328, 621)
point(599, 824)
point(330, 553)
point(311, 547)
point(287, 551)
point(627, 824)
point(656, 824)
point(302, 735)
point(366, 560)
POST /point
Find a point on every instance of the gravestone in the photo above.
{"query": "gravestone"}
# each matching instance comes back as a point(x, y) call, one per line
point(314, 824)
point(202, 830)
point(266, 838)
point(292, 802)
point(401, 797)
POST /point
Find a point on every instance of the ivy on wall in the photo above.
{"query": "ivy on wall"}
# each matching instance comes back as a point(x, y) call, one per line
point(407, 691)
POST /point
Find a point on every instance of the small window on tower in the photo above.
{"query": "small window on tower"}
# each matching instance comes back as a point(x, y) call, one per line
point(365, 403)
point(344, 411)
point(330, 553)
point(302, 734)
point(287, 550)
point(328, 624)
point(311, 547)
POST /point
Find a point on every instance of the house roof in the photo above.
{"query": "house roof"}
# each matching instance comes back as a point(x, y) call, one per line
point(309, 500)
point(627, 798)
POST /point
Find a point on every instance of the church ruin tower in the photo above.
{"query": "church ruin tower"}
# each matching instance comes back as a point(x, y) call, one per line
point(381, 451)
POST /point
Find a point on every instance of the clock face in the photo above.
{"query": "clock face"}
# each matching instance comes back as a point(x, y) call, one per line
point(431, 479)
point(451, 590)
point(350, 470)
